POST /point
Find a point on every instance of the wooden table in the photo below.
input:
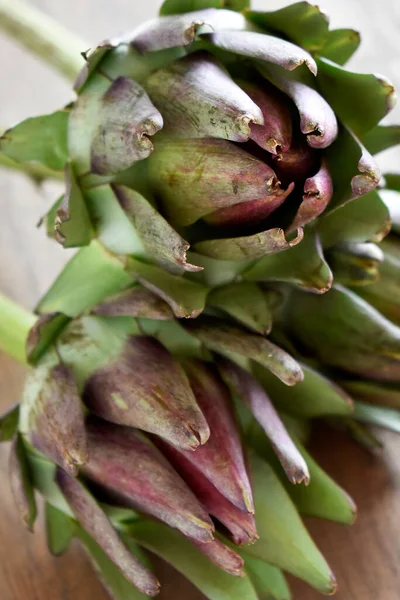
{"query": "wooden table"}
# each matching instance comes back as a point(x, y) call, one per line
point(365, 557)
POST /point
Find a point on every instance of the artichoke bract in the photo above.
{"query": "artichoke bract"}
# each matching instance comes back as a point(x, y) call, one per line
point(231, 284)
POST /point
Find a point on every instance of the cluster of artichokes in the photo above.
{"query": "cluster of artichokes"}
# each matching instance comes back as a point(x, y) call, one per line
point(232, 283)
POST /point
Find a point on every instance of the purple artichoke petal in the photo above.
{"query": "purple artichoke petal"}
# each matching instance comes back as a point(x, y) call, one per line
point(221, 459)
point(95, 522)
point(127, 118)
point(241, 524)
point(231, 341)
point(137, 302)
point(181, 30)
point(222, 556)
point(318, 192)
point(146, 481)
point(159, 239)
point(252, 393)
point(275, 135)
point(263, 47)
point(53, 417)
point(145, 387)
point(317, 119)
point(296, 163)
point(198, 98)
point(197, 177)
point(248, 247)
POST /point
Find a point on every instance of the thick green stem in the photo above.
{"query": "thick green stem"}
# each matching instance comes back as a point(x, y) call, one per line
point(43, 36)
point(15, 323)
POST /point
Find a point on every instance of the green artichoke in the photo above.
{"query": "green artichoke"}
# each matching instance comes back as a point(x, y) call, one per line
point(231, 285)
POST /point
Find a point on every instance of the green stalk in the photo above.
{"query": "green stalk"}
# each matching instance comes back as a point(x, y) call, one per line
point(43, 36)
point(15, 323)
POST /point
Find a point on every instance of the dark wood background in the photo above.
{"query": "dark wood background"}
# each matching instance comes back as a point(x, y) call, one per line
point(366, 556)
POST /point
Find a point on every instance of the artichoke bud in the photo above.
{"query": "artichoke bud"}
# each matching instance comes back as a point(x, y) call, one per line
point(343, 331)
point(52, 415)
point(132, 471)
point(356, 264)
point(132, 379)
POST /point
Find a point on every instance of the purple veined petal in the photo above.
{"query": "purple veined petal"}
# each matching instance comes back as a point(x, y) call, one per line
point(181, 30)
point(252, 393)
point(275, 135)
point(127, 119)
point(318, 192)
point(263, 47)
point(95, 522)
point(145, 387)
point(317, 119)
point(129, 467)
point(198, 98)
point(137, 302)
point(368, 177)
point(241, 524)
point(221, 459)
point(222, 556)
point(53, 416)
point(196, 177)
point(252, 212)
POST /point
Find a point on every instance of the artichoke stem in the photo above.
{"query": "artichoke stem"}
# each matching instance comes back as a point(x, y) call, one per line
point(15, 323)
point(43, 36)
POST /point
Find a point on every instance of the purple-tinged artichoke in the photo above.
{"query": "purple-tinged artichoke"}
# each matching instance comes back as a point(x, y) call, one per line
point(231, 285)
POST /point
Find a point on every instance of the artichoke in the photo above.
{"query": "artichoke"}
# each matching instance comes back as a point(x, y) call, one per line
point(232, 284)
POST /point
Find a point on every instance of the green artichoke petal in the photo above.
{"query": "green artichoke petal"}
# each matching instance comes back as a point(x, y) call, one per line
point(284, 541)
point(160, 241)
point(72, 223)
point(269, 581)
point(91, 275)
point(381, 137)
point(365, 219)
point(301, 22)
point(38, 140)
point(214, 583)
point(245, 302)
point(60, 529)
point(355, 264)
point(9, 424)
point(303, 265)
point(176, 7)
point(315, 396)
point(186, 298)
point(340, 45)
point(46, 329)
point(116, 584)
point(353, 170)
point(388, 418)
point(360, 101)
point(248, 247)
point(382, 394)
point(21, 483)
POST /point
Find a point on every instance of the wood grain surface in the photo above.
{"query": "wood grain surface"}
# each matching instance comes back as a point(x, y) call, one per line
point(366, 556)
